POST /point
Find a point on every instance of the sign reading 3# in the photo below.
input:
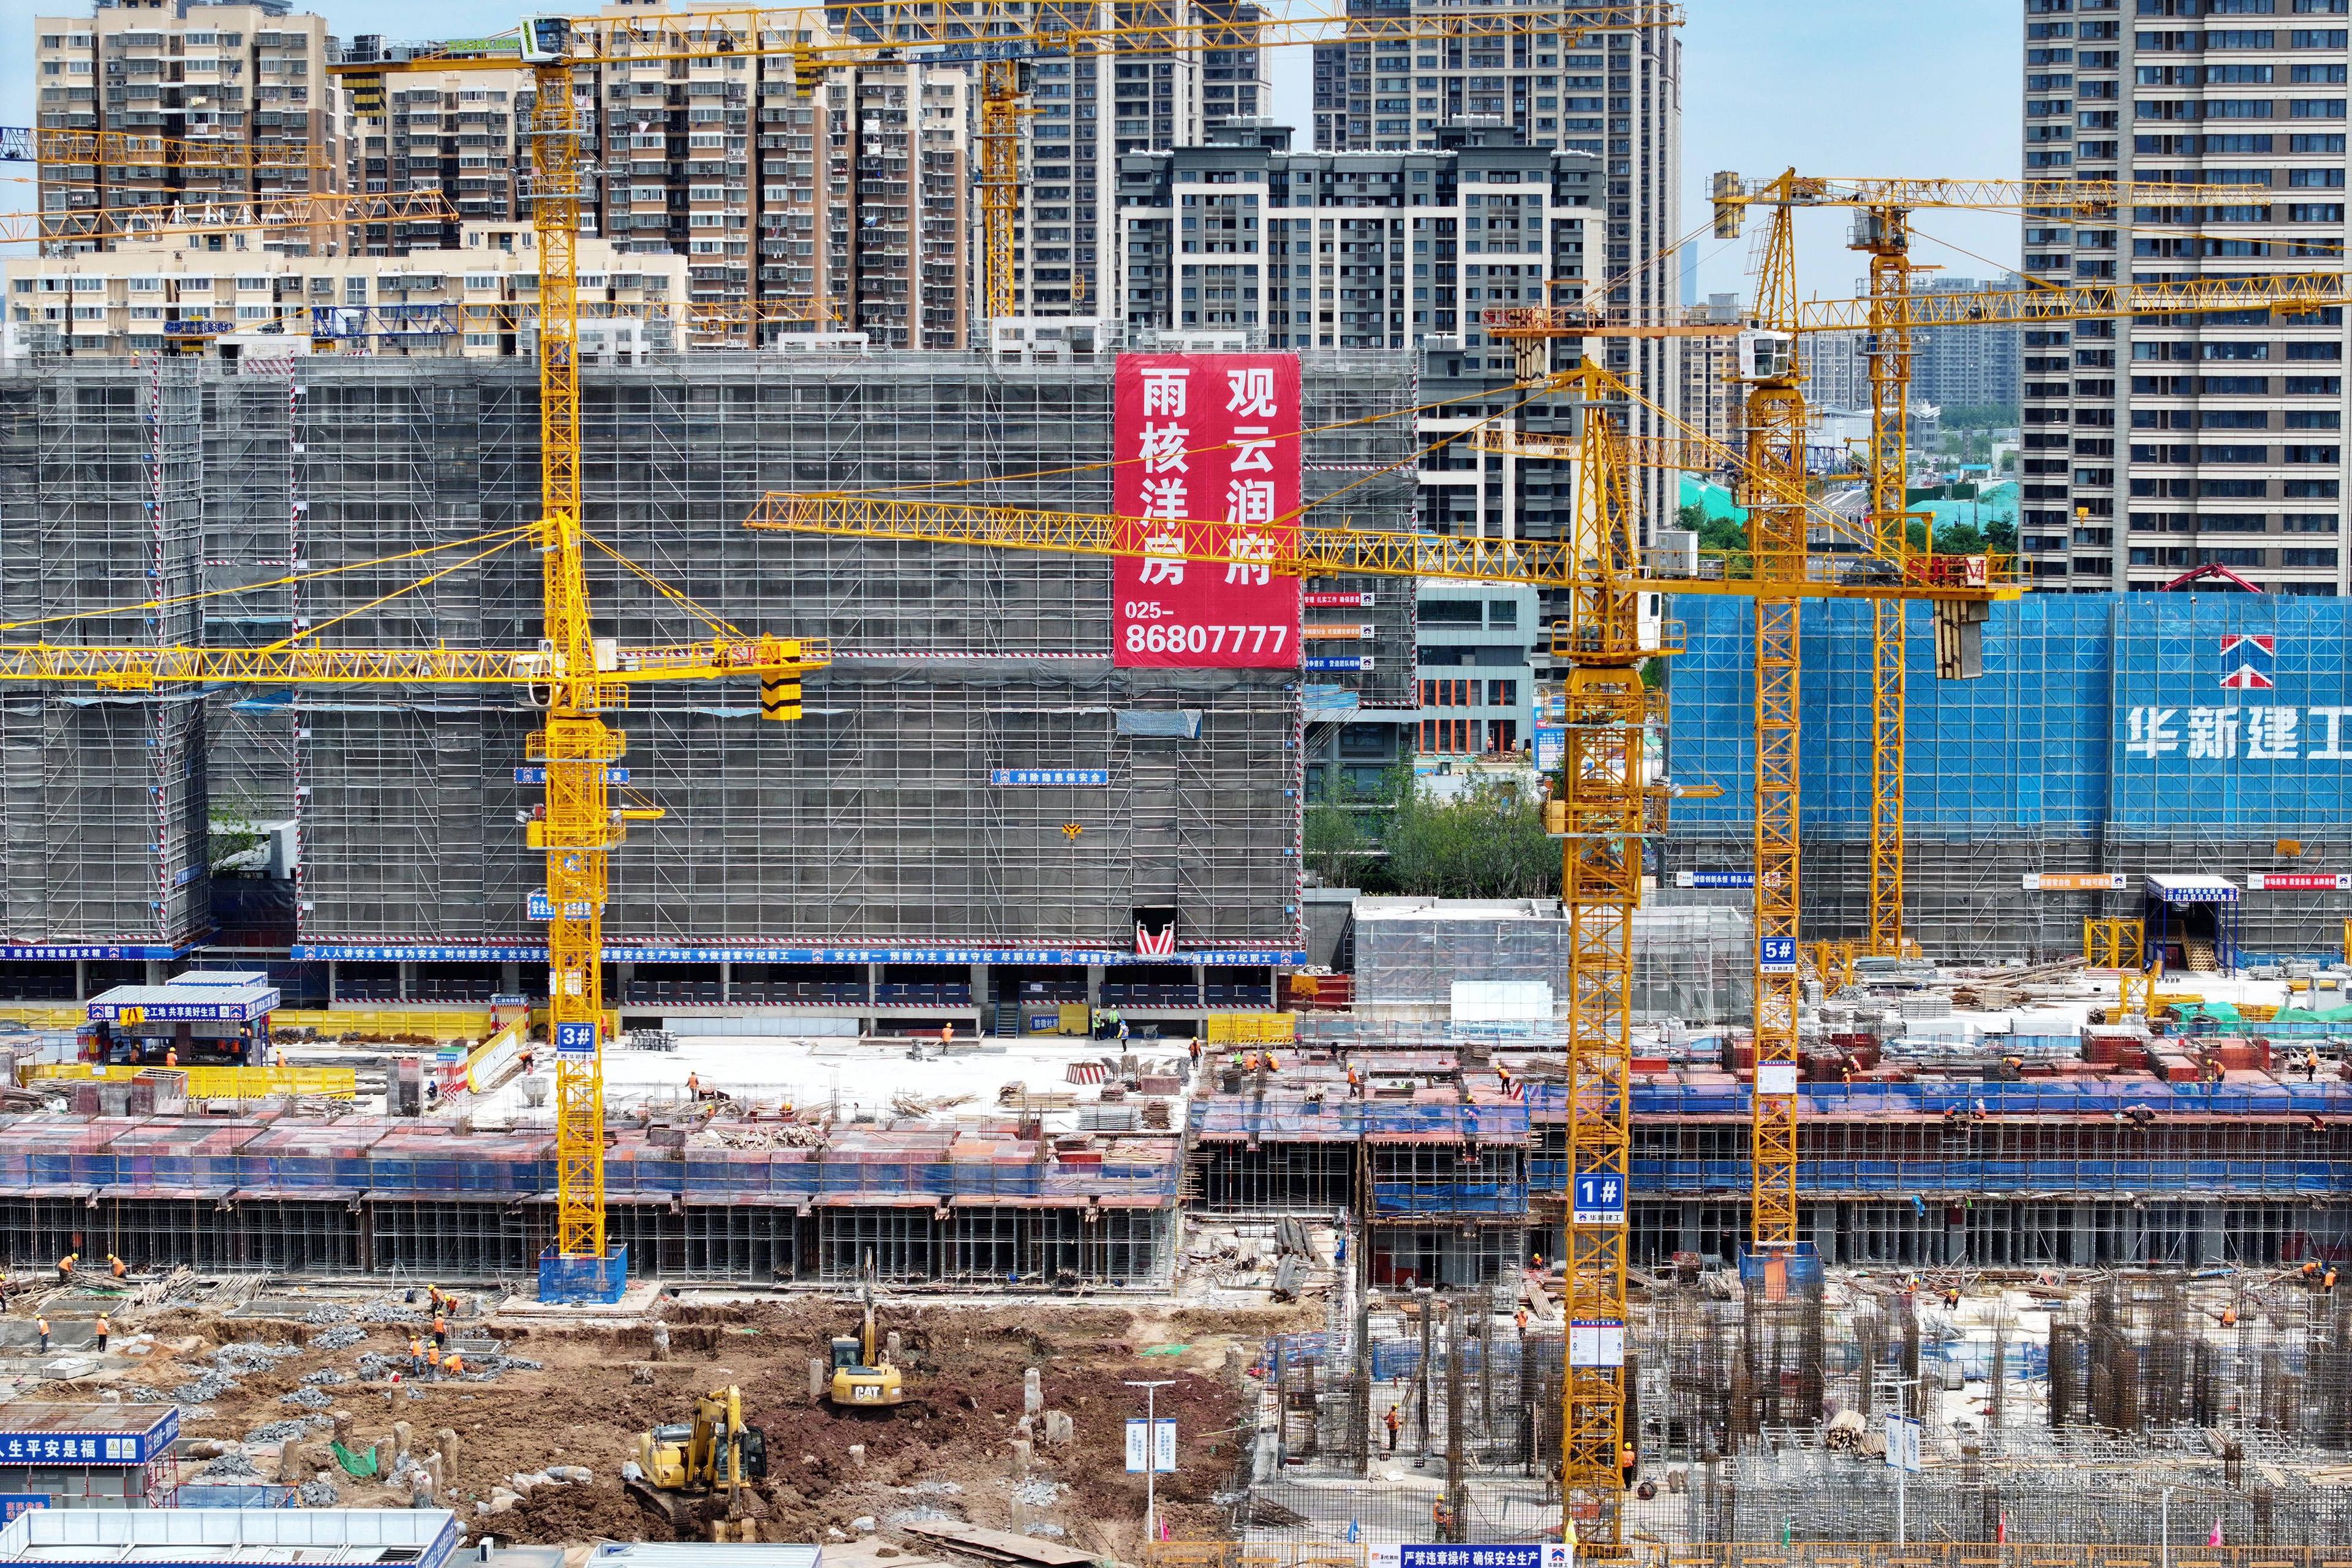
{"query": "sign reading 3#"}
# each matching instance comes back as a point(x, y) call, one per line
point(1208, 451)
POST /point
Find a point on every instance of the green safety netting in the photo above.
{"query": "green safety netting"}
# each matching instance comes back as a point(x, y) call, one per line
point(362, 1464)
point(2314, 1015)
point(2222, 1013)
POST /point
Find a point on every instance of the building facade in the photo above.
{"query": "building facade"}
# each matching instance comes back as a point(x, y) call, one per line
point(1967, 366)
point(1286, 249)
point(248, 81)
point(1614, 95)
point(478, 300)
point(1711, 397)
point(2155, 447)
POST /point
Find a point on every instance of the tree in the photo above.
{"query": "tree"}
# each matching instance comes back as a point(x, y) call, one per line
point(1487, 843)
point(1978, 416)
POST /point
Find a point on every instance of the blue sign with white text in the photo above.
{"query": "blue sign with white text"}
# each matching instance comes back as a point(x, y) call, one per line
point(575, 1039)
point(1776, 955)
point(1600, 1198)
point(1439, 1556)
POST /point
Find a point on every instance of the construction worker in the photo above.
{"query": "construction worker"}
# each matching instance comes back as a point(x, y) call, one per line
point(946, 1035)
point(42, 1323)
point(66, 1268)
point(440, 1332)
point(1250, 1062)
point(1538, 1263)
point(117, 1265)
point(1440, 1516)
point(694, 1085)
point(416, 1358)
point(1271, 1063)
point(454, 1366)
point(4, 1289)
point(170, 1056)
point(104, 1329)
point(2229, 1317)
point(1354, 1084)
point(1952, 1299)
point(1628, 1461)
point(1393, 1422)
point(1194, 1051)
point(1520, 1318)
point(2327, 1281)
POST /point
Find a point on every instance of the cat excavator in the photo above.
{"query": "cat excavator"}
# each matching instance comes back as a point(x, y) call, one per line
point(698, 1474)
point(863, 1378)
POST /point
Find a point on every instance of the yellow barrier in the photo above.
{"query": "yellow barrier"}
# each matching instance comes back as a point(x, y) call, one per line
point(495, 1052)
point(45, 1014)
point(1251, 1028)
point(213, 1083)
point(429, 1023)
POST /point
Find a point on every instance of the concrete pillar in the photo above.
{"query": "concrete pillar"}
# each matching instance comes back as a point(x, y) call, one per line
point(2215, 1243)
point(726, 983)
point(446, 1449)
point(407, 980)
point(81, 979)
point(1094, 988)
point(333, 969)
point(982, 999)
point(2083, 1250)
point(158, 970)
point(510, 979)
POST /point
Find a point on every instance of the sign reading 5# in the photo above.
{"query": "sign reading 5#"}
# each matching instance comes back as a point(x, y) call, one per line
point(1208, 465)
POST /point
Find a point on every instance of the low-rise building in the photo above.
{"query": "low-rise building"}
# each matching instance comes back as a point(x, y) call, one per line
point(479, 301)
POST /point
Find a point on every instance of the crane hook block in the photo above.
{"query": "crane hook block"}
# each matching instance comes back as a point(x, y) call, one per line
point(779, 698)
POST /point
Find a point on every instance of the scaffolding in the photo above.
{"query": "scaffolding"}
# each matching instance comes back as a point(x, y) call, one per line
point(1688, 962)
point(877, 819)
point(975, 1205)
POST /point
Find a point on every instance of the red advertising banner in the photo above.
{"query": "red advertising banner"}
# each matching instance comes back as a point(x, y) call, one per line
point(2298, 881)
point(1208, 463)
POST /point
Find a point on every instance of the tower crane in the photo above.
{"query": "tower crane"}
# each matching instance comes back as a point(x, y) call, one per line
point(575, 675)
point(982, 33)
point(313, 210)
point(1607, 810)
point(1775, 477)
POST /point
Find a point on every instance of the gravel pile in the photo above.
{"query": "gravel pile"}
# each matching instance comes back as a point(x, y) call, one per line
point(140, 1394)
point(1038, 1492)
point(932, 1489)
point(326, 1378)
point(204, 1389)
point(924, 1514)
point(341, 1338)
point(229, 1467)
point(248, 1356)
point(278, 1431)
point(318, 1494)
point(392, 1310)
point(308, 1398)
point(327, 1313)
point(376, 1366)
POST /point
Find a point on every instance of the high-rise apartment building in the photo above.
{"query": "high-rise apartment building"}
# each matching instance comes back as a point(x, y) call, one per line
point(1092, 110)
point(1615, 95)
point(460, 134)
point(1711, 398)
point(1966, 366)
point(2155, 446)
point(248, 78)
point(1283, 250)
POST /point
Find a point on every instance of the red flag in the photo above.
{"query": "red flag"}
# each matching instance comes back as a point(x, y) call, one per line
point(2001, 1528)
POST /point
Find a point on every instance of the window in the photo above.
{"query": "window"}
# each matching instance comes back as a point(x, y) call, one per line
point(2316, 143)
point(2313, 454)
point(2316, 179)
point(2316, 109)
point(1502, 613)
point(2314, 385)
point(2306, 557)
point(2237, 488)
point(1449, 612)
point(2311, 522)
point(2314, 419)
point(2332, 75)
point(2236, 351)
point(2310, 490)
point(2233, 454)
point(1502, 694)
point(2315, 350)
point(2226, 385)
point(2230, 419)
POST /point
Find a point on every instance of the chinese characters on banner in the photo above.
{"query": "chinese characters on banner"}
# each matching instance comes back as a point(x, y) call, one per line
point(2226, 734)
point(1208, 463)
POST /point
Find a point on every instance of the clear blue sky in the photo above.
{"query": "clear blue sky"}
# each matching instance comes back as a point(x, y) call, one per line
point(1833, 87)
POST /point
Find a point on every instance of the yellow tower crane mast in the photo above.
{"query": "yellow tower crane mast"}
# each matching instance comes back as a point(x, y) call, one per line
point(1882, 231)
point(1608, 809)
point(581, 675)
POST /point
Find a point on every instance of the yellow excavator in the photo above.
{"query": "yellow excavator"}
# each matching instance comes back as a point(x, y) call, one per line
point(863, 1378)
point(700, 1473)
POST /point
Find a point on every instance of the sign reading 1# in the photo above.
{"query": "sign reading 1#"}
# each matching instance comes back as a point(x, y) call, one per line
point(1600, 1199)
point(1776, 955)
point(575, 1040)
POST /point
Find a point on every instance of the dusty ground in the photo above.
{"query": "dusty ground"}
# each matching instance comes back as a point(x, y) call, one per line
point(946, 1455)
